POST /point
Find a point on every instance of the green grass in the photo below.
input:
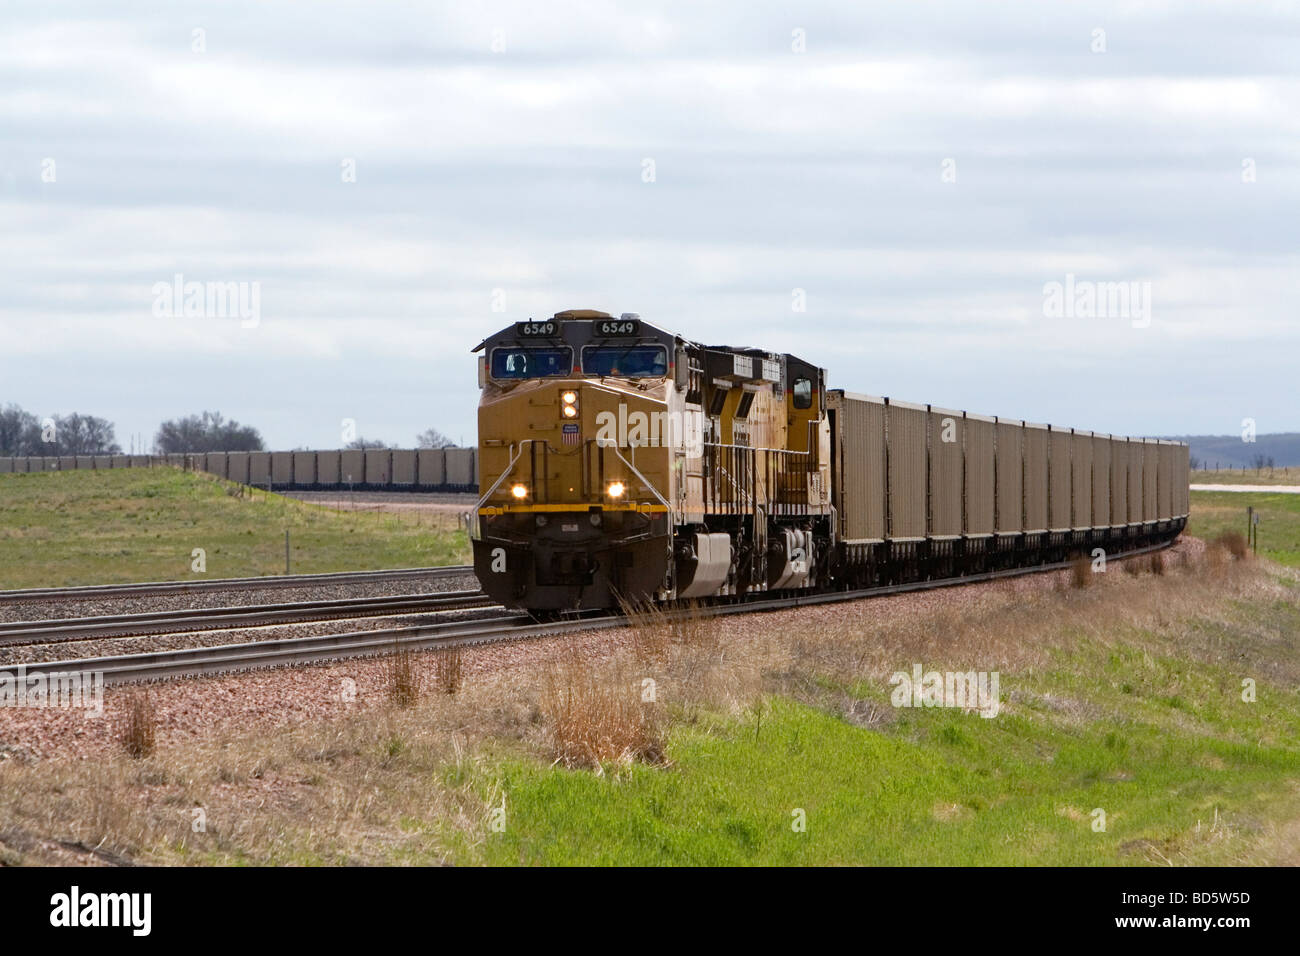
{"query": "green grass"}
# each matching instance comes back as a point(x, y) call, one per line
point(1214, 512)
point(937, 787)
point(1150, 728)
point(104, 527)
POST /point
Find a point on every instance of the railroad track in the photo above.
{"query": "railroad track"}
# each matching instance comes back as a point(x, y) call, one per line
point(65, 630)
point(158, 588)
point(201, 661)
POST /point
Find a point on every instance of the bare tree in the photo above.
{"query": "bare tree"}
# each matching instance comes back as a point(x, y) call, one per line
point(17, 429)
point(78, 434)
point(362, 444)
point(432, 438)
point(22, 433)
point(206, 432)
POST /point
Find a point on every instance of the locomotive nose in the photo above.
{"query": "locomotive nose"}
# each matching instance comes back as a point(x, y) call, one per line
point(576, 564)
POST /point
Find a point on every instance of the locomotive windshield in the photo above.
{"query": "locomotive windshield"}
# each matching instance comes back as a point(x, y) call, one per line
point(624, 361)
point(531, 362)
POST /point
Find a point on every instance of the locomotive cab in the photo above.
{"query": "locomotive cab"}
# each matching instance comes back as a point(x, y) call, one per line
point(570, 515)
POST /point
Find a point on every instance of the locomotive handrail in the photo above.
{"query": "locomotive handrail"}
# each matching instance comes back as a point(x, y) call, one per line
point(645, 481)
point(804, 460)
point(740, 492)
point(774, 451)
point(510, 466)
point(514, 459)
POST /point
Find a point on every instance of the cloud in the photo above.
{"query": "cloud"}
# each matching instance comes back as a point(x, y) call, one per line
point(521, 170)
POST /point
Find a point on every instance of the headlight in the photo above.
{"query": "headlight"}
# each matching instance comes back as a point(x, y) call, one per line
point(519, 491)
point(569, 404)
point(616, 489)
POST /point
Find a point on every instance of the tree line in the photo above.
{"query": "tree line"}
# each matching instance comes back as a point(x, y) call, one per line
point(206, 432)
point(24, 434)
point(429, 438)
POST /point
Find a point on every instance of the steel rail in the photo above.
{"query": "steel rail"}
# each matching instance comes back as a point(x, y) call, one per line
point(186, 620)
point(152, 588)
point(200, 661)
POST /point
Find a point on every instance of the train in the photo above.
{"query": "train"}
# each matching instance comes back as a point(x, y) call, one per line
point(620, 463)
point(371, 469)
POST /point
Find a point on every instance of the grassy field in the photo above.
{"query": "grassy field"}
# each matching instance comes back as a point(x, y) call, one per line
point(1139, 714)
point(1269, 476)
point(1165, 706)
point(934, 789)
point(106, 527)
point(1216, 512)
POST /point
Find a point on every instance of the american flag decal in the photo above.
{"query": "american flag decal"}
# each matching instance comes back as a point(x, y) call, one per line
point(571, 434)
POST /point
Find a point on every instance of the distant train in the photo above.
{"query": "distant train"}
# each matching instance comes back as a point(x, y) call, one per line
point(374, 469)
point(619, 461)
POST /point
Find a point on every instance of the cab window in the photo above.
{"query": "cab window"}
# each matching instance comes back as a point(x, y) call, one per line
point(531, 362)
point(625, 361)
point(803, 391)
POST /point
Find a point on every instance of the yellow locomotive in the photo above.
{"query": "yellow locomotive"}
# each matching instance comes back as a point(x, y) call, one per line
point(619, 461)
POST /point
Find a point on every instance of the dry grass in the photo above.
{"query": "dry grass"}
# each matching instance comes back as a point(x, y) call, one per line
point(1216, 556)
point(139, 726)
point(1019, 632)
point(1224, 551)
point(337, 794)
point(651, 637)
point(449, 669)
point(596, 720)
point(684, 651)
point(402, 677)
point(1156, 562)
point(366, 788)
point(656, 631)
point(1081, 572)
point(1234, 542)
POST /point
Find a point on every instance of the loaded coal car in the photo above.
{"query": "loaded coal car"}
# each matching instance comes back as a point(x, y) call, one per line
point(620, 462)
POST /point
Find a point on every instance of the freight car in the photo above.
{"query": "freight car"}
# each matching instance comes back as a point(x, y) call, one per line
point(424, 469)
point(621, 462)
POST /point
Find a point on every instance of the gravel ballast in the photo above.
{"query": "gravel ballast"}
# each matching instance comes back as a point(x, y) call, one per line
point(50, 610)
point(265, 700)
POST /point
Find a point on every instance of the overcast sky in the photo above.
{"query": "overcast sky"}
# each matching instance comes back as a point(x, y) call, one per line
point(919, 170)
